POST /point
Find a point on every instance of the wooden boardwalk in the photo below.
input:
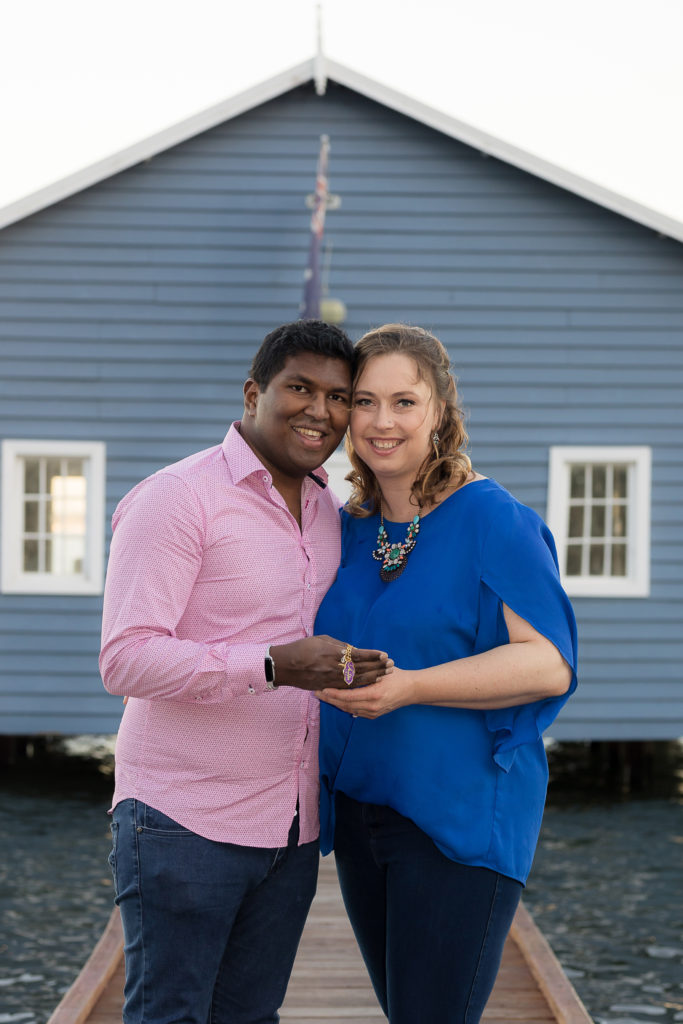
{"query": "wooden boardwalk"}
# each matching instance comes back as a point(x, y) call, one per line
point(330, 985)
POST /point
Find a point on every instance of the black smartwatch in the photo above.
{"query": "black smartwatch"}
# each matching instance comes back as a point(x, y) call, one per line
point(269, 670)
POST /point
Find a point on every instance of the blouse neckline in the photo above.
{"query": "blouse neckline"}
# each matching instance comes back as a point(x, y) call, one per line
point(397, 522)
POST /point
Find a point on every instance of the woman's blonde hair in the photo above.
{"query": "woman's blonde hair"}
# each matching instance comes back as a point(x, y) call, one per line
point(446, 464)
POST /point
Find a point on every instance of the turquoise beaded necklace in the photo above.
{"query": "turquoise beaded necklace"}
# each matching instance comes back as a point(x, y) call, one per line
point(394, 556)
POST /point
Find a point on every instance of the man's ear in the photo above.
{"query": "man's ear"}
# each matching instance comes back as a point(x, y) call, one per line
point(251, 393)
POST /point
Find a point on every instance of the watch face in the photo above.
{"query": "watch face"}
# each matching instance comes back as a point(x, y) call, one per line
point(269, 667)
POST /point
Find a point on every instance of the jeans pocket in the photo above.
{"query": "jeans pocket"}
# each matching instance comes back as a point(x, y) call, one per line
point(154, 821)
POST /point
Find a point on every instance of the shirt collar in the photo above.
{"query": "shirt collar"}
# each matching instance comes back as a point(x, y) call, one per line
point(243, 461)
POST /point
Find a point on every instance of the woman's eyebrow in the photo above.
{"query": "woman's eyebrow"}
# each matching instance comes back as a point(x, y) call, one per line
point(396, 394)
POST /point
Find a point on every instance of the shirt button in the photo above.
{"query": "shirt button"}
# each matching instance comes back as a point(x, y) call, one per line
point(252, 690)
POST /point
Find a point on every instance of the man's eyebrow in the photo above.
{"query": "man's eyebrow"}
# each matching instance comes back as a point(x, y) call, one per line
point(299, 378)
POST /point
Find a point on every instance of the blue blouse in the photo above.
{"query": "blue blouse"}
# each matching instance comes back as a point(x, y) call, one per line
point(475, 781)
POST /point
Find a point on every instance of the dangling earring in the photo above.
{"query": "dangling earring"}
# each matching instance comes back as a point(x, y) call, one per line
point(435, 440)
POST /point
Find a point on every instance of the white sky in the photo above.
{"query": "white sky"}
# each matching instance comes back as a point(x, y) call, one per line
point(595, 86)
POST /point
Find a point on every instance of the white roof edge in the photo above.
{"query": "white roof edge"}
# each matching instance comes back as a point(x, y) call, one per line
point(157, 143)
point(344, 75)
point(505, 151)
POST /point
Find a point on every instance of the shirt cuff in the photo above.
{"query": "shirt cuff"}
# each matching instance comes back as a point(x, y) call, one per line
point(245, 672)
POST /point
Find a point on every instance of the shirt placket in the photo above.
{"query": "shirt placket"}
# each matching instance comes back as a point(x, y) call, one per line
point(309, 509)
point(308, 577)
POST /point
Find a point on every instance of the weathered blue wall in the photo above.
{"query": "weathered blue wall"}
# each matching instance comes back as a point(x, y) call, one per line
point(129, 313)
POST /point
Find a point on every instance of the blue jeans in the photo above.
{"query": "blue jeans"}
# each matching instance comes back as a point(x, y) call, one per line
point(210, 929)
point(431, 930)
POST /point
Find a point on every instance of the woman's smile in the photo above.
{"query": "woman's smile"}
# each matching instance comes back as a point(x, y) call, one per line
point(384, 445)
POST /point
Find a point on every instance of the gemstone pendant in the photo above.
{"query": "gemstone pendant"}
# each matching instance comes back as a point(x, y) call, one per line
point(392, 574)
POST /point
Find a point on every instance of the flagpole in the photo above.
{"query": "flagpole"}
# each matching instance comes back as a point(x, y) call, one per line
point(310, 306)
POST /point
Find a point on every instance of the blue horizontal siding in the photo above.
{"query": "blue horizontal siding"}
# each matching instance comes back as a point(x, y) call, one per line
point(130, 312)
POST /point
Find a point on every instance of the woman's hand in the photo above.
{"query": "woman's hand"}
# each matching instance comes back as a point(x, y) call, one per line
point(394, 690)
point(527, 669)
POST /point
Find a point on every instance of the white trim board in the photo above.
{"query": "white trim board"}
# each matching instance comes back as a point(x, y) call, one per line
point(151, 146)
point(317, 69)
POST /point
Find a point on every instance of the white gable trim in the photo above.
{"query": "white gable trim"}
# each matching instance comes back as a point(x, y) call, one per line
point(158, 143)
point(318, 69)
point(505, 151)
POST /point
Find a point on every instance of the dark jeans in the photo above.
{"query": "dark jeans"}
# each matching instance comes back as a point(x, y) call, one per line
point(211, 929)
point(431, 930)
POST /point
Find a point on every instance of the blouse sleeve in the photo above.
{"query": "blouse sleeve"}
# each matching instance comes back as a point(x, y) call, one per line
point(519, 569)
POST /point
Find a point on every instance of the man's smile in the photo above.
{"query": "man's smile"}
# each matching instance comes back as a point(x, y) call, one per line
point(310, 435)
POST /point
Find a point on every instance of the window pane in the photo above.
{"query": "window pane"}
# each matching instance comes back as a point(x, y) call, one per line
point(573, 560)
point(599, 481)
point(69, 506)
point(31, 517)
point(619, 486)
point(74, 555)
point(74, 467)
point(54, 469)
point(68, 554)
point(67, 517)
point(577, 487)
point(576, 521)
point(48, 556)
point(30, 556)
point(598, 521)
point(596, 561)
point(619, 560)
point(619, 521)
point(31, 476)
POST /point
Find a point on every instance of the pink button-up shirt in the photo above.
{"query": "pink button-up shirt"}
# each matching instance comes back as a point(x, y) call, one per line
point(208, 568)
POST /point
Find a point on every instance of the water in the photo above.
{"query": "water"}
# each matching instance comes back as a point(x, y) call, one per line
point(56, 890)
point(607, 892)
point(606, 888)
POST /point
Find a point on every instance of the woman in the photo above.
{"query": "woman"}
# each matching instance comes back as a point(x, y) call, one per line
point(434, 778)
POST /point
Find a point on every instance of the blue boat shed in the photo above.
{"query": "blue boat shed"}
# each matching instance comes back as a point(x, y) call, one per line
point(131, 303)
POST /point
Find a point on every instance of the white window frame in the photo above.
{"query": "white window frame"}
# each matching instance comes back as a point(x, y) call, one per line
point(13, 580)
point(638, 459)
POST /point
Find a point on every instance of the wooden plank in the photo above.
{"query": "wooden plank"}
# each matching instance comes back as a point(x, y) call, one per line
point(90, 984)
point(546, 969)
point(330, 984)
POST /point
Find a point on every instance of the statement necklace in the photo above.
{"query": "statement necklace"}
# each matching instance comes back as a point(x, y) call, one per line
point(394, 556)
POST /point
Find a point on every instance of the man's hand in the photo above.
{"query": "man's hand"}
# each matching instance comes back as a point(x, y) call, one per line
point(314, 663)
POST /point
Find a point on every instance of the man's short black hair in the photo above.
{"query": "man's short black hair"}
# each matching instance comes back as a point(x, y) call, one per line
point(299, 336)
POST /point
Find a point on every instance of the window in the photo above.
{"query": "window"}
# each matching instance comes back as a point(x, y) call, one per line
point(599, 513)
point(52, 517)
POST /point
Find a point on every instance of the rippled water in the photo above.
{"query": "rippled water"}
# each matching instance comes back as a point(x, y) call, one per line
point(55, 887)
point(606, 890)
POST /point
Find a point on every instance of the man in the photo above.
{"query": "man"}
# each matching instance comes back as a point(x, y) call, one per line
point(217, 567)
